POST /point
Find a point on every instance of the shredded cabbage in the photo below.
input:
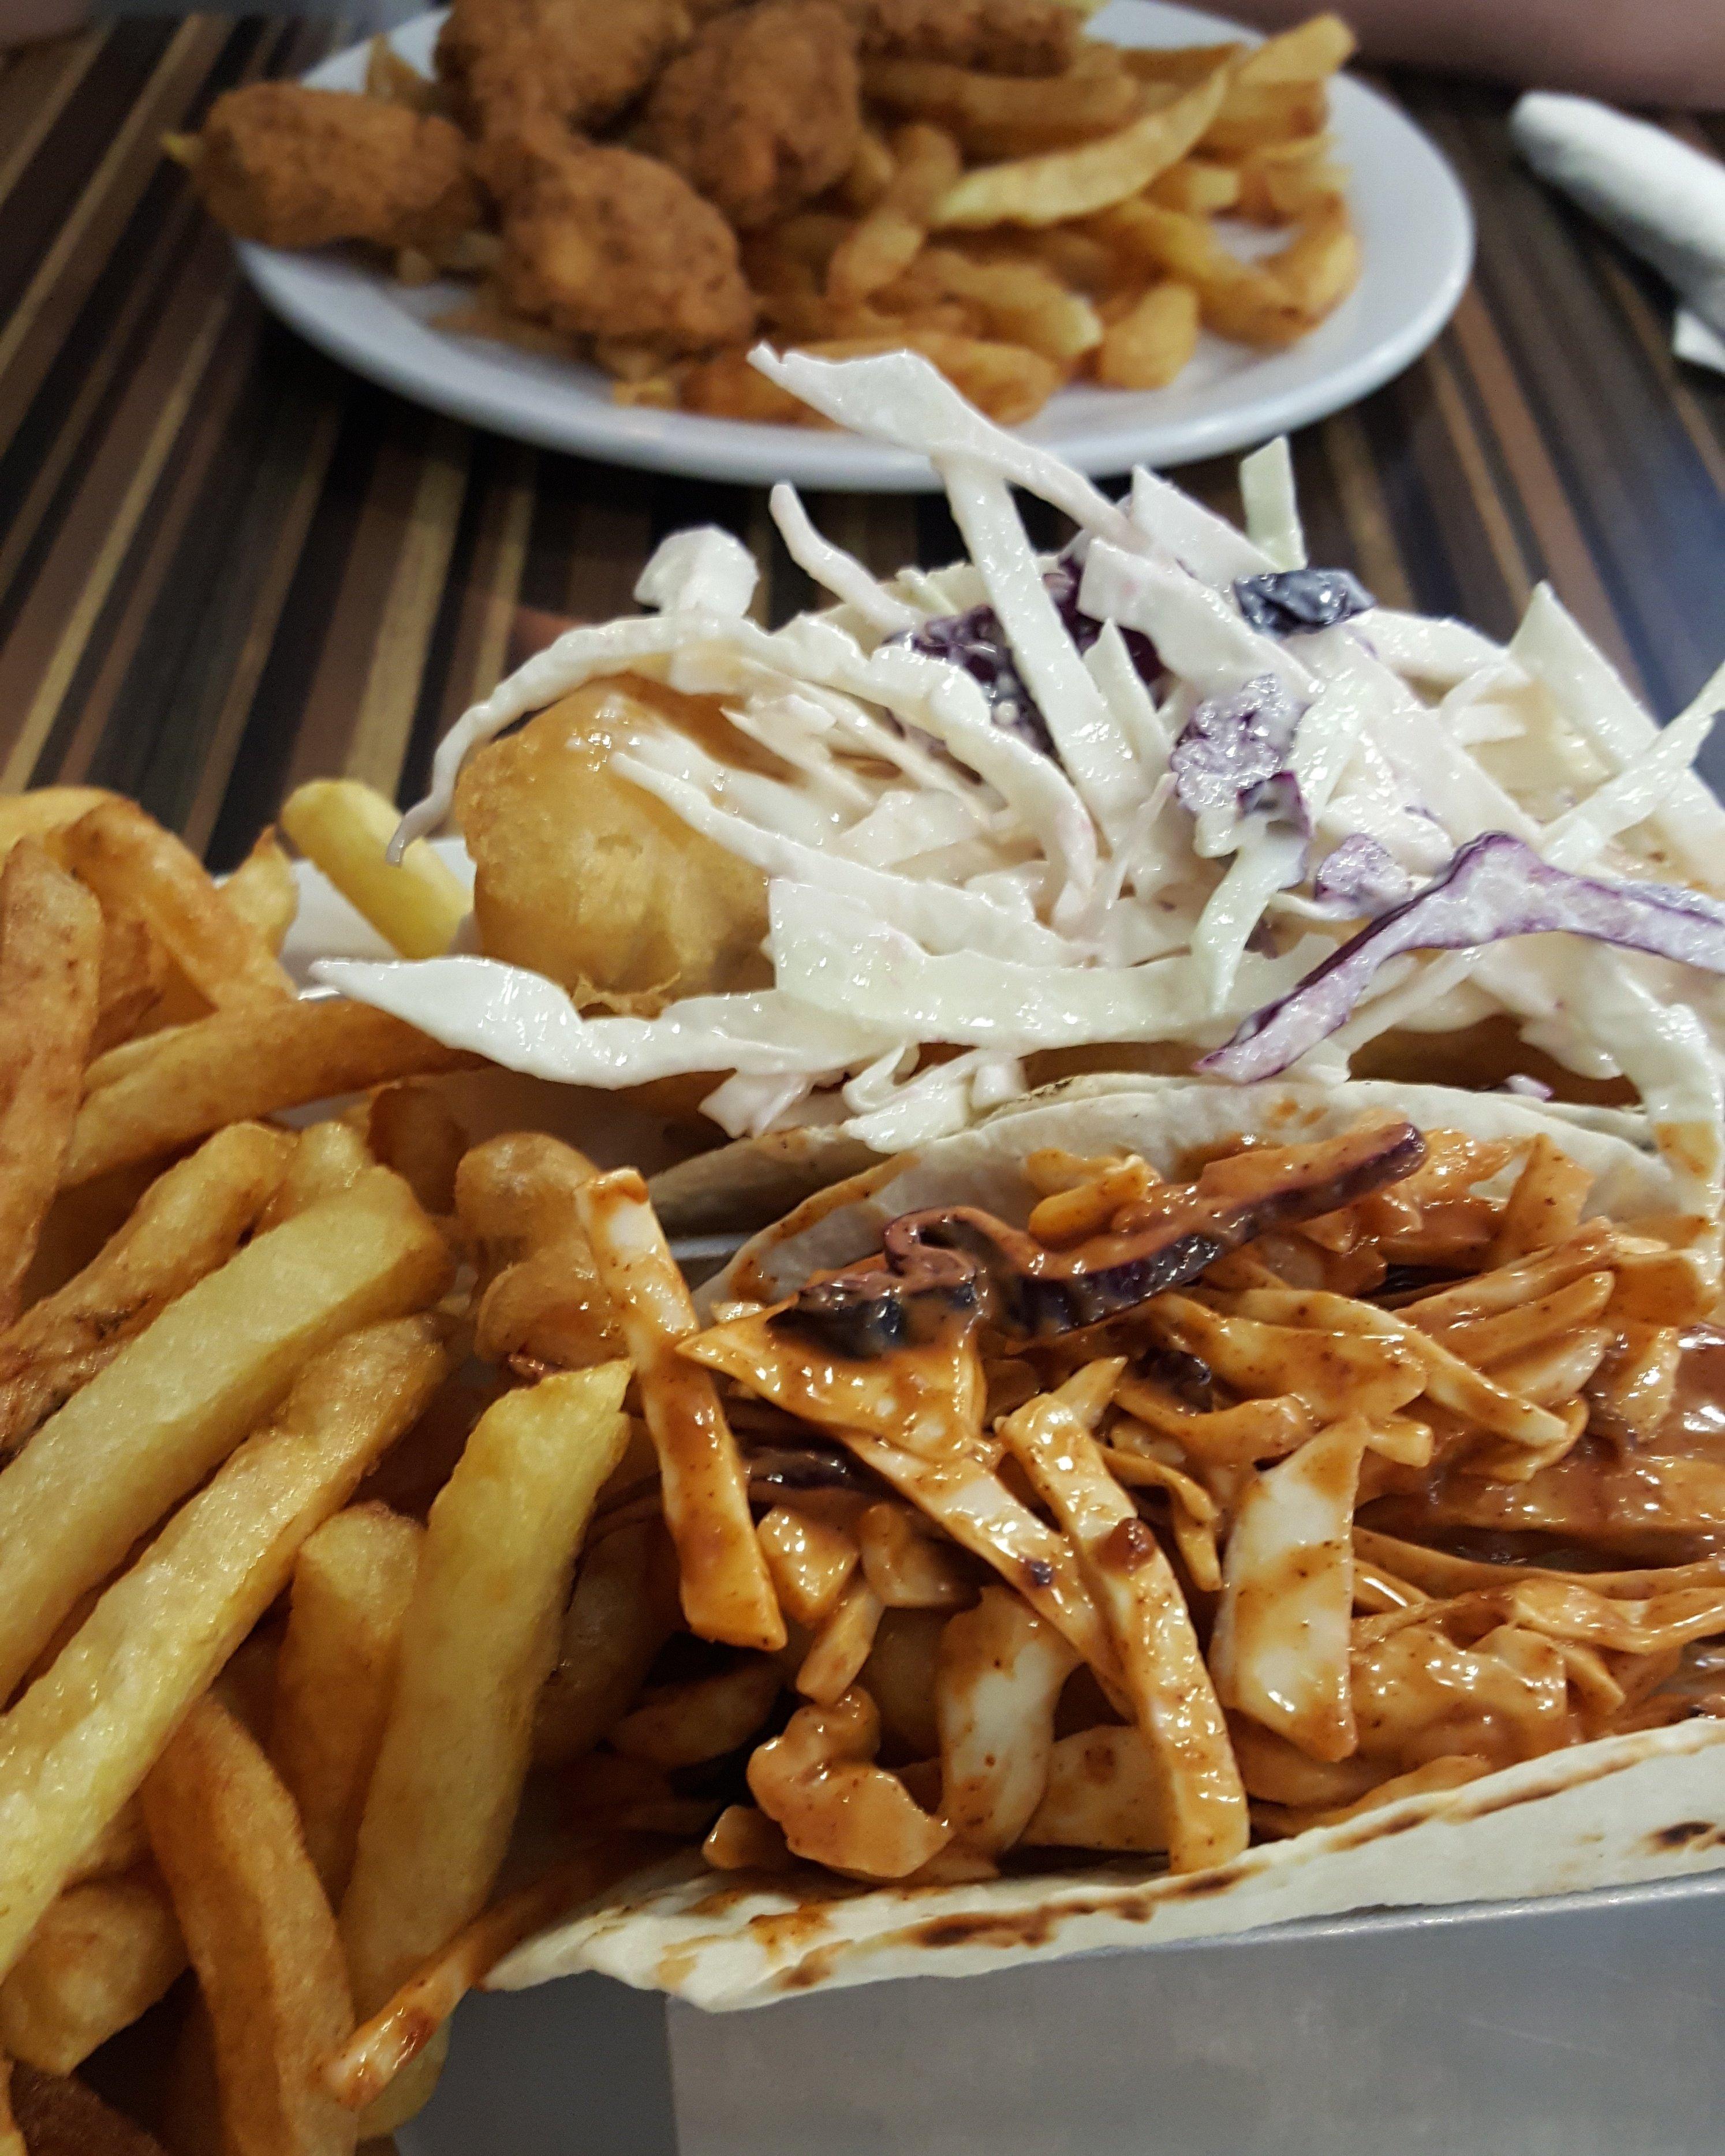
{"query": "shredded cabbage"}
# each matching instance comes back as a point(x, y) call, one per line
point(941, 880)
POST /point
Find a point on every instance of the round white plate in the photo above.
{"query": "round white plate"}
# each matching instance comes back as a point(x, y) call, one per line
point(1416, 234)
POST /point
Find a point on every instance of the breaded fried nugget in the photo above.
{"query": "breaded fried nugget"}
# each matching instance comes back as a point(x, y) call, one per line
point(1001, 37)
point(584, 878)
point(577, 61)
point(601, 242)
point(764, 109)
point(298, 168)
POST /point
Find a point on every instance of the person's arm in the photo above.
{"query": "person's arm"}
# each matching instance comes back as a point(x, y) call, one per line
point(1634, 52)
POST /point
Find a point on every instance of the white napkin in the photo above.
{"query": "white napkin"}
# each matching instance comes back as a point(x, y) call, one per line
point(1659, 197)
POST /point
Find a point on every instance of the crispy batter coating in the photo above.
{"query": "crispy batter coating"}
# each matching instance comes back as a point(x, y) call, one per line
point(579, 62)
point(764, 109)
point(605, 243)
point(1001, 37)
point(583, 877)
point(298, 168)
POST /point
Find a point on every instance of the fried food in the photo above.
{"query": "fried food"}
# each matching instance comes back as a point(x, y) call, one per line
point(605, 243)
point(511, 63)
point(105, 1953)
point(764, 110)
point(996, 37)
point(586, 879)
point(60, 2116)
point(345, 827)
point(297, 168)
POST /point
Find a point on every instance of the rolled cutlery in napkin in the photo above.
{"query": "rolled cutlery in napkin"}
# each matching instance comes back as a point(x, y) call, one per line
point(1661, 198)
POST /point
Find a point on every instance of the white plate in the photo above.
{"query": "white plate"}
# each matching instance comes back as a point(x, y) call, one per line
point(1415, 229)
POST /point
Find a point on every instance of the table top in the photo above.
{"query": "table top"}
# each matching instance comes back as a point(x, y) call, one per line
point(227, 565)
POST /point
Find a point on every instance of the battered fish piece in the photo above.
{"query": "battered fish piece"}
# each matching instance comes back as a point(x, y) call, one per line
point(580, 62)
point(602, 242)
point(764, 109)
point(583, 877)
point(1001, 37)
point(296, 167)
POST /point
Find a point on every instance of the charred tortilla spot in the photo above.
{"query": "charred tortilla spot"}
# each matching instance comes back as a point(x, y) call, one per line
point(1686, 1834)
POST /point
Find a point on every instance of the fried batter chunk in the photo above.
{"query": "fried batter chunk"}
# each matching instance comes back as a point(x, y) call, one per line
point(581, 876)
point(579, 62)
point(604, 243)
point(1001, 37)
point(764, 109)
point(298, 168)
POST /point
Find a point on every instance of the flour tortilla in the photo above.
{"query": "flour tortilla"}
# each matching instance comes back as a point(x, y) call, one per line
point(1644, 1806)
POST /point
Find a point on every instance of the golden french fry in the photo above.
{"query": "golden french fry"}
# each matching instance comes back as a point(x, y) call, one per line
point(1181, 64)
point(1067, 184)
point(1310, 51)
point(684, 1725)
point(328, 1158)
point(352, 1583)
point(104, 1953)
point(870, 174)
point(479, 1640)
point(624, 1609)
point(156, 1095)
point(132, 864)
point(1236, 299)
point(81, 1739)
point(345, 827)
point(133, 982)
point(46, 810)
point(1198, 186)
point(178, 1398)
point(889, 237)
point(1148, 345)
point(186, 1224)
point(726, 1590)
point(397, 81)
point(411, 1130)
point(120, 1844)
point(262, 890)
point(381, 2047)
point(727, 387)
point(1007, 116)
point(259, 1933)
point(1253, 113)
point(1320, 266)
point(50, 972)
point(1021, 302)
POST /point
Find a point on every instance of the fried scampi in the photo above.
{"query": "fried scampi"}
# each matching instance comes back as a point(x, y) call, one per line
point(295, 167)
point(996, 37)
point(509, 64)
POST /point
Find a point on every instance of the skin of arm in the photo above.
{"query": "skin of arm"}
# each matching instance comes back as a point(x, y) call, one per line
point(1632, 52)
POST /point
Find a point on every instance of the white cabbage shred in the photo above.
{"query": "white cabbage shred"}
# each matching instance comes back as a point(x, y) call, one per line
point(937, 880)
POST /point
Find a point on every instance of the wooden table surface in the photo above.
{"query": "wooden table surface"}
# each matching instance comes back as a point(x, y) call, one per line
point(226, 565)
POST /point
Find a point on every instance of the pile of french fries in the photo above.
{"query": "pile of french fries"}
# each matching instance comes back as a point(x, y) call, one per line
point(1023, 234)
point(283, 1585)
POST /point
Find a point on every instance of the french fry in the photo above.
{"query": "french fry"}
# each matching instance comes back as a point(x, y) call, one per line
point(396, 81)
point(352, 1583)
point(411, 1130)
point(132, 864)
point(262, 891)
point(83, 1737)
point(874, 252)
point(479, 1640)
point(395, 2036)
point(345, 827)
point(177, 1398)
point(726, 387)
point(328, 1158)
point(259, 1933)
point(1021, 302)
point(726, 1591)
point(103, 1954)
point(1173, 1702)
point(58, 2116)
point(1320, 266)
point(685, 1725)
point(624, 1609)
point(1149, 346)
point(157, 1095)
point(186, 1224)
point(45, 810)
point(50, 971)
point(1253, 113)
point(1067, 184)
point(542, 1298)
point(190, 2118)
point(11, 2142)
point(133, 980)
point(843, 1643)
point(1181, 64)
point(1198, 186)
point(995, 115)
point(870, 173)
point(1310, 51)
point(120, 1846)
